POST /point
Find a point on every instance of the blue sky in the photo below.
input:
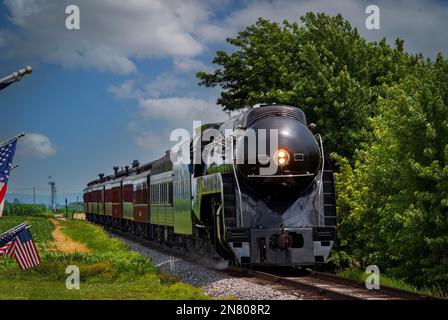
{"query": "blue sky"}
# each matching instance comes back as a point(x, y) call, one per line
point(111, 92)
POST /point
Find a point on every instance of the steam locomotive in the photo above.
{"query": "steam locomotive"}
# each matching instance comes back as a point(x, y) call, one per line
point(230, 210)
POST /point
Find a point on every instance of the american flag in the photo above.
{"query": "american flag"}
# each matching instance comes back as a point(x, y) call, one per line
point(5, 249)
point(24, 250)
point(7, 151)
point(7, 238)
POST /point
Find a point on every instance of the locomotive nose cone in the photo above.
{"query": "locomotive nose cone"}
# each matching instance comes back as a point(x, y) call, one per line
point(296, 154)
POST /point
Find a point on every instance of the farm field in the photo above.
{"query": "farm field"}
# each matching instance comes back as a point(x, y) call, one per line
point(108, 269)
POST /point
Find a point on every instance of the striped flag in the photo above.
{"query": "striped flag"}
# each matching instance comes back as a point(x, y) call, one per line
point(7, 238)
point(24, 250)
point(5, 249)
point(7, 151)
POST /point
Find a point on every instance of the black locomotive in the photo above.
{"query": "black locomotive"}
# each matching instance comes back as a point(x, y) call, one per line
point(243, 210)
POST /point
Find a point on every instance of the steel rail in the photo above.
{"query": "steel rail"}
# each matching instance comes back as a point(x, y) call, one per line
point(324, 292)
point(395, 292)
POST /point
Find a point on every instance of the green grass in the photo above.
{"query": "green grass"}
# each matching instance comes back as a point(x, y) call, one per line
point(110, 271)
point(41, 228)
point(388, 281)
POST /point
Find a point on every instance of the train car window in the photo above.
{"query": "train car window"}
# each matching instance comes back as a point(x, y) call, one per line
point(144, 193)
point(116, 196)
point(127, 193)
point(140, 196)
point(160, 200)
point(140, 193)
point(161, 193)
point(170, 193)
point(154, 194)
point(108, 195)
point(135, 193)
point(160, 186)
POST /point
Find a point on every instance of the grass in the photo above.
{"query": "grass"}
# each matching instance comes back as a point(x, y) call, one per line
point(388, 281)
point(41, 228)
point(110, 271)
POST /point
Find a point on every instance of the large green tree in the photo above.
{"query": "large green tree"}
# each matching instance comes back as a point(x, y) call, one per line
point(393, 204)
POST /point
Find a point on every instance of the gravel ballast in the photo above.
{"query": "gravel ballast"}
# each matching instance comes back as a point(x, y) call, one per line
point(214, 283)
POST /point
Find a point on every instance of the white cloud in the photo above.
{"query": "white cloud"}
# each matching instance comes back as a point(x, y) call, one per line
point(36, 144)
point(172, 113)
point(180, 110)
point(111, 34)
point(411, 20)
point(156, 141)
point(114, 36)
point(165, 83)
point(189, 64)
point(125, 90)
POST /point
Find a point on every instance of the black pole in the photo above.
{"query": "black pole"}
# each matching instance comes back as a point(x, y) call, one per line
point(66, 209)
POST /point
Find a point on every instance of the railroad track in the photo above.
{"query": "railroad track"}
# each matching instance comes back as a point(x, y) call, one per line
point(318, 285)
point(309, 284)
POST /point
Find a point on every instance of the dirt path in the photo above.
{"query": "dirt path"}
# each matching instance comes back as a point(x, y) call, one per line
point(64, 243)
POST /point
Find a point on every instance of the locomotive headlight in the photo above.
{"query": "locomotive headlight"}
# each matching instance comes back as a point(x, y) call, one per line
point(282, 157)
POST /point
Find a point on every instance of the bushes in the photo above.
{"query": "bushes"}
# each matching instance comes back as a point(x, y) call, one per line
point(22, 209)
point(393, 206)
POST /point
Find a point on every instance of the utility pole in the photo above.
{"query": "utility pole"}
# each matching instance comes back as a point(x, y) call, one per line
point(66, 209)
point(34, 194)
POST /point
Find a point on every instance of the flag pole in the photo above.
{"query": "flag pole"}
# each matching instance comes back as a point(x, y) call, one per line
point(18, 136)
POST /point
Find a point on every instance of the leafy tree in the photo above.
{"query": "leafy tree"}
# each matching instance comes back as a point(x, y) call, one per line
point(393, 205)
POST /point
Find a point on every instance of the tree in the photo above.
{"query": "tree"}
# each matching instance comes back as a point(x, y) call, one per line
point(393, 205)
